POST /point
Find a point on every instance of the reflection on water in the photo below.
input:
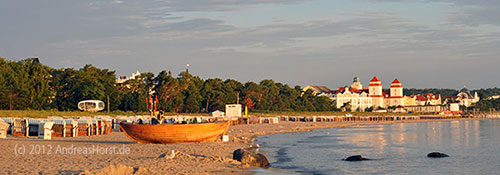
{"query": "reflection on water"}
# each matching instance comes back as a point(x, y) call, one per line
point(400, 149)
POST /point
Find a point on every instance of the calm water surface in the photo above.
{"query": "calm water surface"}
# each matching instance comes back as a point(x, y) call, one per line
point(473, 146)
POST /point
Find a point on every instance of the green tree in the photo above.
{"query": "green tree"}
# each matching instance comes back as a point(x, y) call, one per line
point(212, 94)
point(89, 82)
point(13, 88)
point(24, 85)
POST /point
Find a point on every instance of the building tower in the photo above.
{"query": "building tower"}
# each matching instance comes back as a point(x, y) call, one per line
point(396, 98)
point(375, 92)
point(356, 84)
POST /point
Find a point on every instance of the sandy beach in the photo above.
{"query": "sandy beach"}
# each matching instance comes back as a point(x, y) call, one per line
point(117, 154)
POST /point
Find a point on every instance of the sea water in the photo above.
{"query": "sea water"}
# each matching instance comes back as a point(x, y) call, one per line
point(401, 148)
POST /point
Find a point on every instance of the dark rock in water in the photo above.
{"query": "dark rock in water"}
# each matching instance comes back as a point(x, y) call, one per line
point(251, 158)
point(437, 155)
point(356, 158)
point(264, 160)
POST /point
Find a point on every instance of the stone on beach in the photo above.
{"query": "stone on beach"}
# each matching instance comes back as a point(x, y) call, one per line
point(251, 158)
point(168, 155)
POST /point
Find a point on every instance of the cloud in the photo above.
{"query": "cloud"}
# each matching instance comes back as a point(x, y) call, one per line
point(466, 12)
point(484, 12)
point(199, 25)
point(215, 5)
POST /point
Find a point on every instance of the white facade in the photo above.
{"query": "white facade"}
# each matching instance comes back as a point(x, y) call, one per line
point(454, 107)
point(466, 99)
point(217, 114)
point(375, 91)
point(123, 79)
point(358, 98)
point(233, 110)
point(396, 97)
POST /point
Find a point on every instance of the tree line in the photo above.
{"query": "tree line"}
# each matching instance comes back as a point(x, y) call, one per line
point(482, 93)
point(488, 105)
point(30, 85)
point(443, 92)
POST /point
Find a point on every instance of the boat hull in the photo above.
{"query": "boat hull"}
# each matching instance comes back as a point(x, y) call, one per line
point(175, 133)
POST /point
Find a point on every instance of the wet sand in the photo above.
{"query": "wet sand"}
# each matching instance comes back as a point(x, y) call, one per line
point(117, 154)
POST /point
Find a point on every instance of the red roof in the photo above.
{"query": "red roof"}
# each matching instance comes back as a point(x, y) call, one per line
point(396, 81)
point(354, 90)
point(421, 98)
point(375, 79)
point(425, 97)
point(322, 89)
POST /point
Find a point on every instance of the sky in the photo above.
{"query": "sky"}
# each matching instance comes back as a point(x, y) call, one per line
point(423, 43)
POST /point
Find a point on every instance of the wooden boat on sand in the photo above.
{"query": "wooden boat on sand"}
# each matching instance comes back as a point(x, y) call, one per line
point(175, 133)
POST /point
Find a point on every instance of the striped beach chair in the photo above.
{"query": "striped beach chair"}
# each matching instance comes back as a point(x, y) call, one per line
point(19, 127)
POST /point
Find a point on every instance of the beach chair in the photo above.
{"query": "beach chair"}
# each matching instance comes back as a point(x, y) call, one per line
point(275, 120)
point(197, 120)
point(84, 127)
point(19, 127)
point(108, 128)
point(9, 122)
point(71, 128)
point(3, 129)
point(33, 125)
point(102, 126)
point(59, 128)
point(45, 130)
point(98, 126)
point(95, 127)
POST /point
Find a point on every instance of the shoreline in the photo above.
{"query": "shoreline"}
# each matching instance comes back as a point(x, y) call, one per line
point(190, 158)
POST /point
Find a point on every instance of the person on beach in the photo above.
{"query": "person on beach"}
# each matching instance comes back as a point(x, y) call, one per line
point(159, 119)
point(154, 121)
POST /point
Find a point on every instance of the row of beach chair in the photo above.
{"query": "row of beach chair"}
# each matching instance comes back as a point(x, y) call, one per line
point(58, 127)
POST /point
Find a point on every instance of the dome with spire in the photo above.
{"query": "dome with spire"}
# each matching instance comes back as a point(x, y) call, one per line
point(356, 84)
point(355, 80)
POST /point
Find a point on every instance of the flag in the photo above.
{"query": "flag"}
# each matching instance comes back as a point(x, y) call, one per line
point(150, 103)
point(246, 111)
point(156, 102)
point(147, 102)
